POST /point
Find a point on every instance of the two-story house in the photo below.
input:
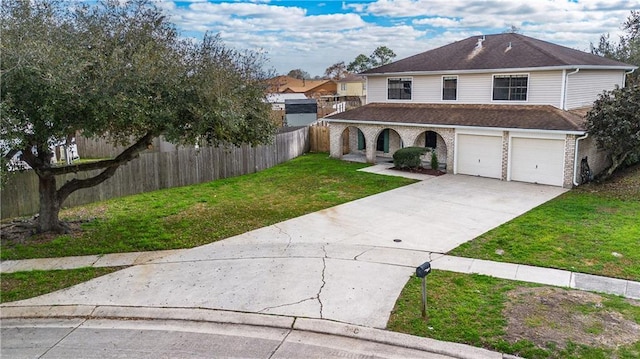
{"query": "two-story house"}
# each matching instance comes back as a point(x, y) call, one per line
point(505, 106)
point(352, 89)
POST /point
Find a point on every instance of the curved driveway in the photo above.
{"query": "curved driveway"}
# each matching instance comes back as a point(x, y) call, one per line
point(347, 263)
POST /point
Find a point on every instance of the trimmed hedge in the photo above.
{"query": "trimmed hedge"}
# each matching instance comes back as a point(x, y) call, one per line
point(409, 157)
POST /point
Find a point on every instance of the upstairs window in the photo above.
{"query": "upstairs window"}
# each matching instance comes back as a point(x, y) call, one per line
point(450, 88)
point(510, 87)
point(399, 88)
point(343, 87)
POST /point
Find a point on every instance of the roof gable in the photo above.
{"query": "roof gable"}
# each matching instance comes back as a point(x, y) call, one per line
point(499, 51)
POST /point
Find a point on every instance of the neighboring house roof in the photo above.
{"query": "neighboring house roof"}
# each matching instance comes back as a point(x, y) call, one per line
point(286, 84)
point(536, 117)
point(499, 51)
point(352, 78)
point(281, 97)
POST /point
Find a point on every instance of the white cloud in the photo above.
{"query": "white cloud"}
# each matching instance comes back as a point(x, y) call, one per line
point(295, 39)
point(437, 22)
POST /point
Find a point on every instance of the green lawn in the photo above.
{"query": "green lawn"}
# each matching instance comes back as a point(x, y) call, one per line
point(23, 285)
point(470, 309)
point(194, 215)
point(593, 229)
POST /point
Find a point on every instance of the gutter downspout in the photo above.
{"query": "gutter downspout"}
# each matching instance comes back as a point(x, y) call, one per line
point(575, 160)
point(564, 87)
point(624, 78)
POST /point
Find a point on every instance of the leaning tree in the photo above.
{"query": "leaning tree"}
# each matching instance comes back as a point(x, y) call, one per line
point(117, 70)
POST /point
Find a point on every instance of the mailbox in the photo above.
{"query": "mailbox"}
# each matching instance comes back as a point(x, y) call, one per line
point(423, 269)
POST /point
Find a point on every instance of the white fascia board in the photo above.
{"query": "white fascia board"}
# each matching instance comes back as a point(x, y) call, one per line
point(515, 69)
point(457, 127)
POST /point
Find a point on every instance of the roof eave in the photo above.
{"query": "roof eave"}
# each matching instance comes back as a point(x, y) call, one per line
point(426, 125)
point(513, 69)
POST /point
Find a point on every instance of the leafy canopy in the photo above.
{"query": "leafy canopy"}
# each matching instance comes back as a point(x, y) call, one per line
point(382, 55)
point(117, 69)
point(614, 121)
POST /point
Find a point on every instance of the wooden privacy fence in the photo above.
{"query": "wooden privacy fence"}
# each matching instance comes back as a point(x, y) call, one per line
point(155, 170)
point(319, 138)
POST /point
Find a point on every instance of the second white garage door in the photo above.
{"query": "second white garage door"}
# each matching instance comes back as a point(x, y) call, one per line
point(479, 155)
point(537, 160)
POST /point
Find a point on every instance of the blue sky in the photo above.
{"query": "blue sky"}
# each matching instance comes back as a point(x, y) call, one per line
point(313, 35)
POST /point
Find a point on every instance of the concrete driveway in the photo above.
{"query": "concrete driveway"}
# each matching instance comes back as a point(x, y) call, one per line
point(347, 263)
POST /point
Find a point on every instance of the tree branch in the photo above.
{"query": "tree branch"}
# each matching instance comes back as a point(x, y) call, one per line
point(126, 156)
point(111, 167)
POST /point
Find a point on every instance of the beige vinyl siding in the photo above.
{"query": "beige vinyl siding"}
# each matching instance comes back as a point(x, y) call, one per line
point(545, 88)
point(426, 89)
point(584, 87)
point(376, 89)
point(474, 88)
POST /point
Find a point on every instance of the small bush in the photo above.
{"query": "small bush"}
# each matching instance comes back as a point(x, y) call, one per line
point(408, 157)
point(434, 160)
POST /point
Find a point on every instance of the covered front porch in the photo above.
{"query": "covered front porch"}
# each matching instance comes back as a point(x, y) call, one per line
point(372, 143)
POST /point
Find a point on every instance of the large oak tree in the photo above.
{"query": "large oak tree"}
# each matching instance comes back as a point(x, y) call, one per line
point(117, 70)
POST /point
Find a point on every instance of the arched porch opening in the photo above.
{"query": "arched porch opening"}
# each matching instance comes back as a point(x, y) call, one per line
point(353, 144)
point(435, 142)
point(388, 141)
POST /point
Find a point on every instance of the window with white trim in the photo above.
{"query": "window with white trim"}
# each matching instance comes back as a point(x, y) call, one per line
point(510, 87)
point(343, 87)
point(399, 88)
point(450, 88)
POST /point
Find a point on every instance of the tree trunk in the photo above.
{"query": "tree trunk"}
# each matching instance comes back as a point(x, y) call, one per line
point(49, 206)
point(616, 161)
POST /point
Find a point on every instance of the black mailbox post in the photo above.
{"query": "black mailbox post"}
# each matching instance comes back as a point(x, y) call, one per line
point(421, 272)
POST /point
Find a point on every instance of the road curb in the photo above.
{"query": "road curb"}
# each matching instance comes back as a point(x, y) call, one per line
point(321, 326)
point(456, 350)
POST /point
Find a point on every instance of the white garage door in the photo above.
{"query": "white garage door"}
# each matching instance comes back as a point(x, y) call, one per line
point(479, 155)
point(537, 160)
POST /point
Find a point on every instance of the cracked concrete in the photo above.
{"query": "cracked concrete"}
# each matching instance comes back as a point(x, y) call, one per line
point(324, 282)
point(340, 264)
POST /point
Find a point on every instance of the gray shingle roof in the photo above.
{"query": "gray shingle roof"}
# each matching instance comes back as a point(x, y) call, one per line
point(499, 51)
point(536, 117)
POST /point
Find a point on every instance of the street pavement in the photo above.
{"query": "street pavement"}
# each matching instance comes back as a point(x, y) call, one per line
point(344, 266)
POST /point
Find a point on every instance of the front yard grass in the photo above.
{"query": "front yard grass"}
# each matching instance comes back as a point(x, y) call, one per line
point(23, 285)
point(593, 229)
point(523, 319)
point(194, 215)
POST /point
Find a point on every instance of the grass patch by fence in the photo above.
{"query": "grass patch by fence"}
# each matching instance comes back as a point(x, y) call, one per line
point(593, 229)
point(193, 215)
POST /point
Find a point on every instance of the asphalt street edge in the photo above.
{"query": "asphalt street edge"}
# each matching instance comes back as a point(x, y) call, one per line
point(456, 350)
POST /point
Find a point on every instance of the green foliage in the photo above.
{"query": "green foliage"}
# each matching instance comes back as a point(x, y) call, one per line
point(118, 70)
point(382, 55)
point(614, 121)
point(468, 309)
point(23, 285)
point(409, 157)
point(359, 64)
point(336, 71)
point(434, 160)
point(627, 49)
point(299, 74)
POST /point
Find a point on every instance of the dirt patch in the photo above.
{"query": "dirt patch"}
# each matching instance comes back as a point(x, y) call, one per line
point(624, 184)
point(21, 231)
point(554, 315)
point(421, 170)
